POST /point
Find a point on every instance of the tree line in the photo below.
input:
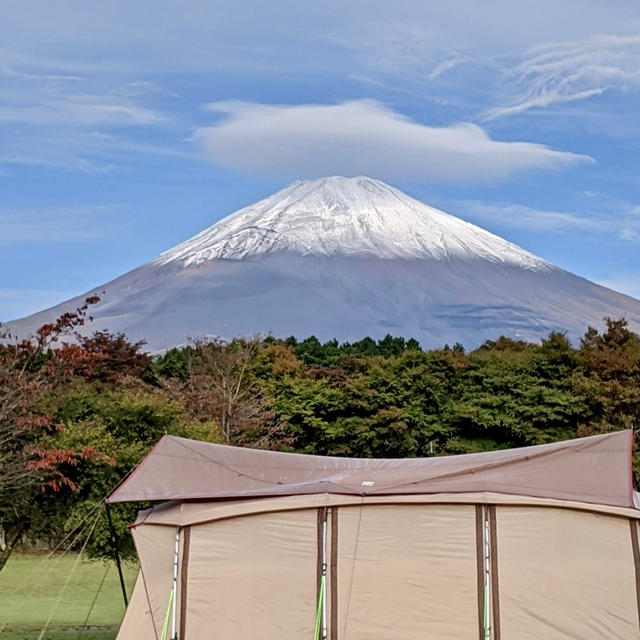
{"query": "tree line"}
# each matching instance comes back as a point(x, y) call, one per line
point(77, 413)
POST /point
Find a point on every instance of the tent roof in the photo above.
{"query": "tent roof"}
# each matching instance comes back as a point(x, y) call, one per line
point(595, 470)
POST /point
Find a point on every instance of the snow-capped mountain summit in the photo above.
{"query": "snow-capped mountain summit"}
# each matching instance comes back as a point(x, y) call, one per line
point(346, 258)
point(347, 217)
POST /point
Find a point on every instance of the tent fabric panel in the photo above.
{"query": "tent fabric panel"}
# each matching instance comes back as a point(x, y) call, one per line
point(635, 546)
point(565, 574)
point(410, 568)
point(137, 623)
point(253, 577)
point(595, 470)
point(155, 547)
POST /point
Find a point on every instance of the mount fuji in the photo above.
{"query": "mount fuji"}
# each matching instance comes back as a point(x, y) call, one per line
point(345, 258)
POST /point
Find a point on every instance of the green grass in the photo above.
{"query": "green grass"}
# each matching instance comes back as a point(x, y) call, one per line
point(31, 584)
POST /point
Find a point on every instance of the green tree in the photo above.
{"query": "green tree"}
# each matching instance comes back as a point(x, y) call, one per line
point(122, 423)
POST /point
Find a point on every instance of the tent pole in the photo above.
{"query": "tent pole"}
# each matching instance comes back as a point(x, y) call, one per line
point(487, 565)
point(116, 554)
point(174, 633)
point(324, 576)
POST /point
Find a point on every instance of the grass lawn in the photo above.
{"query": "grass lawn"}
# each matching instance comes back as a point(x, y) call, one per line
point(30, 585)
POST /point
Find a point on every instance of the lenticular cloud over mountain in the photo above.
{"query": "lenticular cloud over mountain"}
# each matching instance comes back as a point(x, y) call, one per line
point(365, 136)
point(345, 258)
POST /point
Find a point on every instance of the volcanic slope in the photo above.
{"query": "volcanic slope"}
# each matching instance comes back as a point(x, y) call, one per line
point(345, 258)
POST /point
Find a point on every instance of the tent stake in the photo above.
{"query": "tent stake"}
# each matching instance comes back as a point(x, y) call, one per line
point(116, 554)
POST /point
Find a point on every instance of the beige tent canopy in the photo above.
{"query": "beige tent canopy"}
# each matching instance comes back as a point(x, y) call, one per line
point(532, 543)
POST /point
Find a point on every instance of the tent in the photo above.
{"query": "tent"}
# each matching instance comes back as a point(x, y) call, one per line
point(531, 543)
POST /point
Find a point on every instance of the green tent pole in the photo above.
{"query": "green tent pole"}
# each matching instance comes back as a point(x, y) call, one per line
point(319, 612)
point(167, 617)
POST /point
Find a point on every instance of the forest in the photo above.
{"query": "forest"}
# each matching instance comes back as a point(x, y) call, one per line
point(78, 412)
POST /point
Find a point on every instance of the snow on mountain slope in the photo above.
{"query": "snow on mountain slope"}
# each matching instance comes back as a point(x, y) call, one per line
point(346, 258)
point(346, 216)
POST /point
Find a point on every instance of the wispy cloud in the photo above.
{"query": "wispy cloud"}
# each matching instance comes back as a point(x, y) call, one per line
point(44, 99)
point(18, 303)
point(562, 72)
point(518, 216)
point(625, 283)
point(449, 64)
point(81, 111)
point(618, 219)
point(498, 59)
point(86, 125)
point(58, 225)
point(365, 137)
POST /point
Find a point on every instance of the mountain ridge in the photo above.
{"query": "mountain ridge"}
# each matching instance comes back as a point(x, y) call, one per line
point(345, 258)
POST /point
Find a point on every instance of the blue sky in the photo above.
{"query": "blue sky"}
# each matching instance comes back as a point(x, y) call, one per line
point(125, 128)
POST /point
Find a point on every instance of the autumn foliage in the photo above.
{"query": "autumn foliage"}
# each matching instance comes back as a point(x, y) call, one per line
point(33, 371)
point(79, 411)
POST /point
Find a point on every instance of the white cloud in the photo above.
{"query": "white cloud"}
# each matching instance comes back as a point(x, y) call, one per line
point(364, 137)
point(561, 72)
point(447, 65)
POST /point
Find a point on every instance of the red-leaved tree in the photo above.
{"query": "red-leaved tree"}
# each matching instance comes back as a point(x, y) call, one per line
point(29, 372)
